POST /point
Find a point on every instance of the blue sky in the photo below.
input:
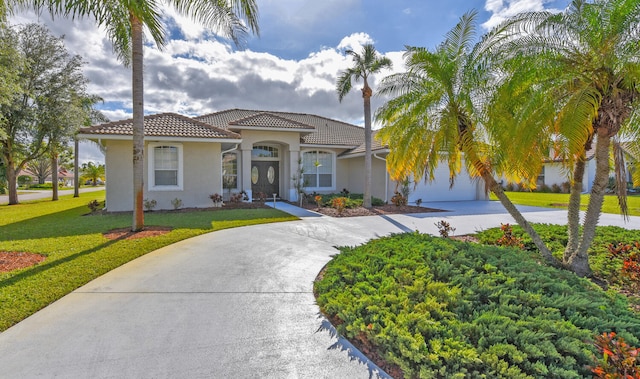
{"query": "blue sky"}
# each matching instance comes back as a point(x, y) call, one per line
point(293, 66)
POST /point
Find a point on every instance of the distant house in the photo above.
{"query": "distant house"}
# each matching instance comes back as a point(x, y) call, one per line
point(553, 172)
point(259, 152)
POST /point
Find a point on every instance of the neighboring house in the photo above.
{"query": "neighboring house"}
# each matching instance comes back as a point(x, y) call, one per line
point(253, 151)
point(553, 172)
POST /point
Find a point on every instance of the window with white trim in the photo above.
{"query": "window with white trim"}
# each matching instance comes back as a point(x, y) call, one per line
point(318, 170)
point(165, 167)
point(230, 170)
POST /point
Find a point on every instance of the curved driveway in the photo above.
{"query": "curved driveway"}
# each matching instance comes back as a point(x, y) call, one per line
point(236, 303)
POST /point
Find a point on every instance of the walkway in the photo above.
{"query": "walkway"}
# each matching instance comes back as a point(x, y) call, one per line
point(236, 303)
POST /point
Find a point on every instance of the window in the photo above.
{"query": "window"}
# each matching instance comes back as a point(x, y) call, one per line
point(318, 169)
point(230, 170)
point(540, 179)
point(264, 152)
point(165, 167)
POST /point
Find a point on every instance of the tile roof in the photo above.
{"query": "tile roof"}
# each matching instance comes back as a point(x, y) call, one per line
point(325, 130)
point(360, 149)
point(268, 121)
point(163, 125)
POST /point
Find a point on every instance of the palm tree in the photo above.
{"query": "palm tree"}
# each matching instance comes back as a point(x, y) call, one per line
point(365, 64)
point(588, 57)
point(440, 114)
point(124, 22)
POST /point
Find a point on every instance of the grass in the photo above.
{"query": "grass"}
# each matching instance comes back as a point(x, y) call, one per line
point(77, 252)
point(560, 200)
point(433, 308)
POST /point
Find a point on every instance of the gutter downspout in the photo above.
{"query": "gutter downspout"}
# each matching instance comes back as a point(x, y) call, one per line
point(222, 153)
point(386, 177)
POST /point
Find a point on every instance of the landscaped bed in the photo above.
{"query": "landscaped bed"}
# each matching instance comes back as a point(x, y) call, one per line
point(430, 307)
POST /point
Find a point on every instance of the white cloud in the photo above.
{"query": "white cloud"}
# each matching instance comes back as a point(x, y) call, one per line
point(355, 41)
point(503, 9)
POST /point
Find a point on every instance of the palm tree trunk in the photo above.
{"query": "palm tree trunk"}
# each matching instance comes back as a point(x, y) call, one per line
point(76, 168)
point(54, 176)
point(497, 190)
point(138, 123)
point(579, 261)
point(366, 94)
point(573, 211)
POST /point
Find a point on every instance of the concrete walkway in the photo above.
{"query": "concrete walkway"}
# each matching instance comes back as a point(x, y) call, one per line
point(236, 303)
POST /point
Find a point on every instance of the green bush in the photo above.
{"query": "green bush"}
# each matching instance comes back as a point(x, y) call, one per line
point(438, 308)
point(556, 238)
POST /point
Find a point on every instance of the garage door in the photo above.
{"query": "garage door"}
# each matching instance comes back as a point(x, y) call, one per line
point(438, 190)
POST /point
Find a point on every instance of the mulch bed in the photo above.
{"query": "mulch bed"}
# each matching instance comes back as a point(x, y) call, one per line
point(374, 211)
point(11, 260)
point(127, 234)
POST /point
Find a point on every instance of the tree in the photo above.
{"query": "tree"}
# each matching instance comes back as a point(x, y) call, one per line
point(587, 65)
point(124, 22)
point(92, 171)
point(48, 76)
point(41, 168)
point(365, 64)
point(439, 115)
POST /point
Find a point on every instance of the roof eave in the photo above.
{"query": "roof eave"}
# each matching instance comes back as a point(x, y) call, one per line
point(122, 137)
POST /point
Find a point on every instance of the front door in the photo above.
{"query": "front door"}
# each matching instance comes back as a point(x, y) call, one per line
point(265, 178)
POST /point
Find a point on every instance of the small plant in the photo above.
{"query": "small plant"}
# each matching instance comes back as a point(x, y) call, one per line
point(177, 203)
point(94, 206)
point(619, 360)
point(236, 197)
point(339, 203)
point(217, 199)
point(261, 196)
point(556, 188)
point(149, 204)
point(418, 202)
point(630, 255)
point(345, 192)
point(398, 199)
point(318, 200)
point(508, 238)
point(444, 228)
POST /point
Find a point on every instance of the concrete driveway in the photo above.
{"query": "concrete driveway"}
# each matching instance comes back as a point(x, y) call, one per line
point(236, 303)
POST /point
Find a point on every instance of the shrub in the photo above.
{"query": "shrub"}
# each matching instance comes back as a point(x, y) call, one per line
point(177, 203)
point(619, 360)
point(216, 198)
point(94, 206)
point(566, 187)
point(24, 181)
point(339, 203)
point(444, 228)
point(318, 200)
point(149, 204)
point(556, 188)
point(438, 308)
point(556, 238)
point(630, 256)
point(236, 197)
point(508, 239)
point(398, 199)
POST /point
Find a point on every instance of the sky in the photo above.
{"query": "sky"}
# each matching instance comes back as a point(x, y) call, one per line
point(292, 66)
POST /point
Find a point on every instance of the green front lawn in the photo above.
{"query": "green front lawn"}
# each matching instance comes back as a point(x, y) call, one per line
point(77, 251)
point(560, 200)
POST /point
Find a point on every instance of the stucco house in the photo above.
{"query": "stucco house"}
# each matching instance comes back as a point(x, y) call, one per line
point(253, 151)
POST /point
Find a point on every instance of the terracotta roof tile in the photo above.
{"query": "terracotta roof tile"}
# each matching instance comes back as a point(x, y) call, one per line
point(163, 125)
point(269, 120)
point(326, 131)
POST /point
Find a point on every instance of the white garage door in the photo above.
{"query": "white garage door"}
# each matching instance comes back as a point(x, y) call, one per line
point(438, 190)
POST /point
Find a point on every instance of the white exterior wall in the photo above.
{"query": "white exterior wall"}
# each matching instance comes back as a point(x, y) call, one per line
point(119, 173)
point(554, 173)
point(353, 179)
point(438, 190)
point(202, 175)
